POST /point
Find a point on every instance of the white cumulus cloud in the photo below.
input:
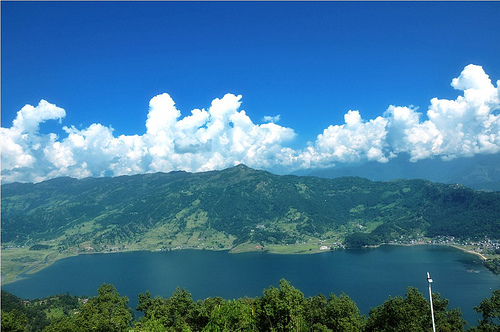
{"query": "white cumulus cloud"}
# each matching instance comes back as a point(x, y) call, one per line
point(273, 119)
point(466, 126)
point(22, 145)
point(223, 135)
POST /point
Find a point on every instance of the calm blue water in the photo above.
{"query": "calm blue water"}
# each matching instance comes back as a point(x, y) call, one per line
point(367, 276)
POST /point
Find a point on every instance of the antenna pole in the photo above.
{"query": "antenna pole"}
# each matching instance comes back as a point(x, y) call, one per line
point(429, 281)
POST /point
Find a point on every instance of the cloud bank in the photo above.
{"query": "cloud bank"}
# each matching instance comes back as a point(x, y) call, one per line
point(223, 136)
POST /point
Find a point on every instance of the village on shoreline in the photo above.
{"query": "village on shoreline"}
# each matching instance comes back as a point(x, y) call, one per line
point(484, 249)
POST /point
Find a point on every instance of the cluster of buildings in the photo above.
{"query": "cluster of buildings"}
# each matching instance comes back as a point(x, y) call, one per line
point(484, 246)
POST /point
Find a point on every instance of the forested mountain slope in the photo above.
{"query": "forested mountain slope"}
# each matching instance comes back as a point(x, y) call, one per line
point(235, 206)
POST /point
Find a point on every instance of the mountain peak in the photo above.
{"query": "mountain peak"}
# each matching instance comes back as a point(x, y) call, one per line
point(242, 167)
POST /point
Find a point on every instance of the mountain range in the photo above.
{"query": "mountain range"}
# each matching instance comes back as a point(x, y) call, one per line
point(235, 206)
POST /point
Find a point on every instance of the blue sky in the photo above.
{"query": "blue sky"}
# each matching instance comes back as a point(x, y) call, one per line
point(309, 63)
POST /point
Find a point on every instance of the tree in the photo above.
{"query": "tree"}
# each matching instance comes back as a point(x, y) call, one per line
point(343, 315)
point(283, 309)
point(14, 321)
point(490, 310)
point(105, 312)
point(174, 312)
point(108, 311)
point(31, 317)
point(412, 313)
point(203, 312)
point(232, 316)
point(316, 312)
point(63, 324)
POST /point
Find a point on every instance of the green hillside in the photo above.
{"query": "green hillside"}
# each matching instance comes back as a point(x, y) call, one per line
point(238, 208)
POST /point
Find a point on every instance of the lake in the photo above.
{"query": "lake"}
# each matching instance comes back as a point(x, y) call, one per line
point(368, 276)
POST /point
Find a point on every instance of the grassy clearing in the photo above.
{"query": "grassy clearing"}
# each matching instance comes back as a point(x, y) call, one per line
point(287, 227)
point(17, 261)
point(168, 236)
point(157, 238)
point(197, 219)
point(209, 239)
point(54, 313)
point(312, 245)
point(370, 226)
point(84, 228)
point(246, 247)
point(292, 248)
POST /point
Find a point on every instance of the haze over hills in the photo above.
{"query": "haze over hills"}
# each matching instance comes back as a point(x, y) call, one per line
point(481, 172)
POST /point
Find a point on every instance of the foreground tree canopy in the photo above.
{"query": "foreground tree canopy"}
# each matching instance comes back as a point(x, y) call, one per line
point(278, 309)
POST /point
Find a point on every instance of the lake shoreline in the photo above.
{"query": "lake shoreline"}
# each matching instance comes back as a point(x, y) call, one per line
point(483, 257)
point(209, 273)
point(456, 246)
point(6, 279)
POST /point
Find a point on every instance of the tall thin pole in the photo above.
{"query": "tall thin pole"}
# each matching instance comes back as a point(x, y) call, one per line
point(429, 281)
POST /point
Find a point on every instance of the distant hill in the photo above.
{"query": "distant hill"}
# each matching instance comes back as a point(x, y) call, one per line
point(481, 172)
point(236, 206)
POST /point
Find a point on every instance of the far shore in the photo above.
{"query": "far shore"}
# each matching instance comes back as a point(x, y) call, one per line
point(6, 279)
point(456, 246)
point(483, 257)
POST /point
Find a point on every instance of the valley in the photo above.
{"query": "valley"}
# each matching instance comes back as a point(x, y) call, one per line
point(238, 209)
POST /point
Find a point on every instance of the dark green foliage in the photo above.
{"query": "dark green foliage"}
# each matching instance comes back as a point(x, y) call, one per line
point(342, 314)
point(32, 313)
point(63, 324)
point(14, 321)
point(105, 312)
point(31, 318)
point(283, 309)
point(229, 316)
point(10, 302)
point(493, 265)
point(278, 309)
point(235, 201)
point(286, 309)
point(172, 312)
point(412, 313)
point(490, 310)
point(39, 247)
point(271, 236)
point(359, 240)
